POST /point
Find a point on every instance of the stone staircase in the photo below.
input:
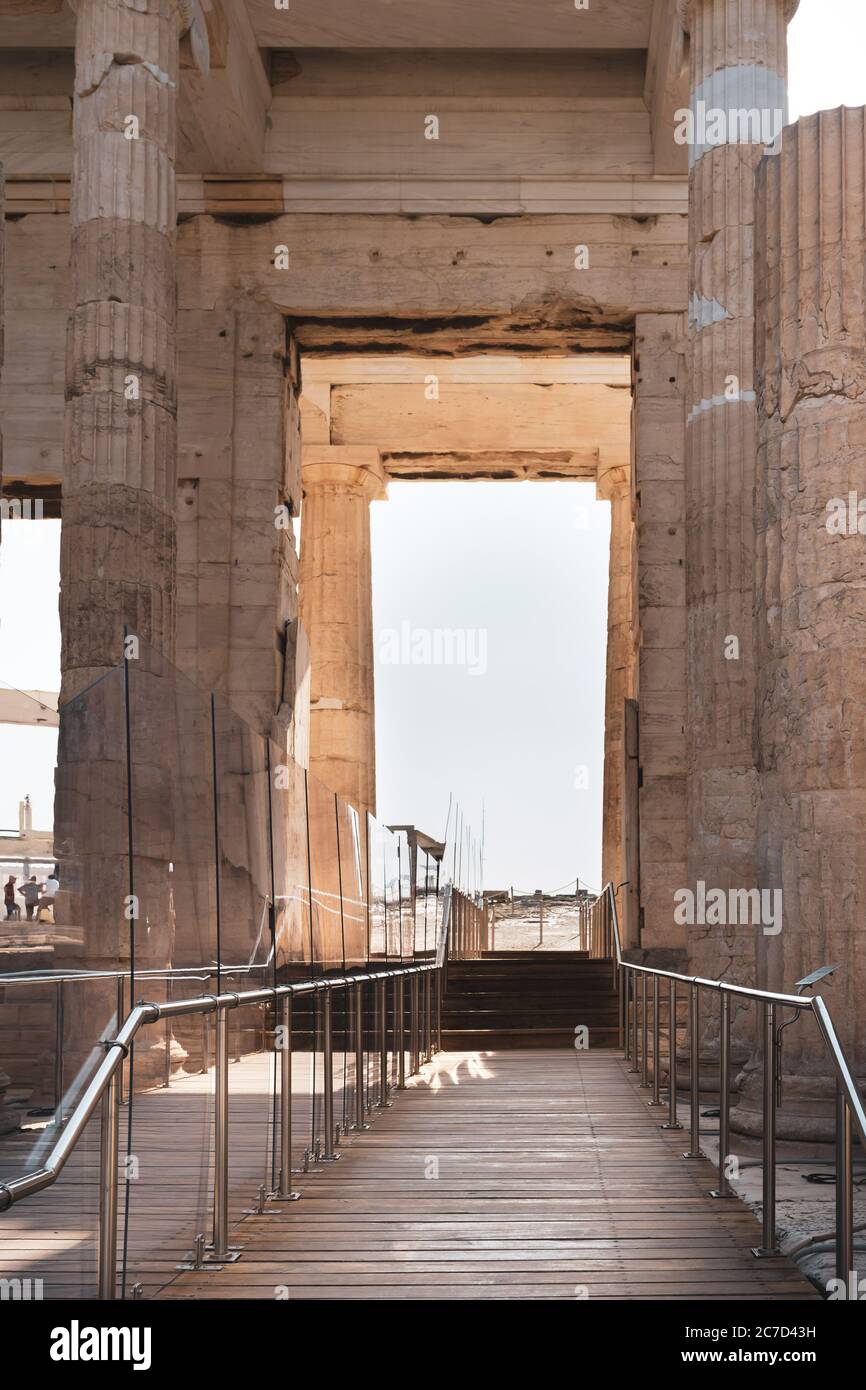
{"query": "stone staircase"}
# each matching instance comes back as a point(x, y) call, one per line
point(513, 999)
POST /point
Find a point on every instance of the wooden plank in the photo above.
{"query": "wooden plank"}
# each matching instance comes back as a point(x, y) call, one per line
point(519, 1175)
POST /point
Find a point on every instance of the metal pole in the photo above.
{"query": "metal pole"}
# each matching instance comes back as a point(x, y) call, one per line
point(107, 1275)
point(438, 997)
point(845, 1195)
point(284, 1192)
point(328, 1029)
point(694, 1073)
point(625, 991)
point(672, 1122)
point(724, 1188)
point(428, 1044)
point(359, 1057)
point(221, 1138)
point(644, 1033)
point(383, 1045)
point(58, 1048)
point(768, 1243)
point(657, 1070)
point(400, 1022)
point(413, 1023)
point(634, 1049)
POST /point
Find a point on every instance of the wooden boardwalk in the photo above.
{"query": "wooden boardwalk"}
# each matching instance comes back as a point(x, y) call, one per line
point(510, 1175)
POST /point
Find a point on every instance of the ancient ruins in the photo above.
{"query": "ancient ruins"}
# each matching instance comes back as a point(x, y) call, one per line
point(262, 259)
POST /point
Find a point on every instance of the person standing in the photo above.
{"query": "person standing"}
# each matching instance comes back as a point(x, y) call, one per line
point(30, 894)
point(50, 889)
point(12, 908)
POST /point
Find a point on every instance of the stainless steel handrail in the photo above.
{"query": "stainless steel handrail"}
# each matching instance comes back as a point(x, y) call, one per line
point(103, 1089)
point(176, 972)
point(850, 1112)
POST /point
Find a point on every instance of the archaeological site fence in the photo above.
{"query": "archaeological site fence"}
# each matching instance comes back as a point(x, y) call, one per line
point(245, 967)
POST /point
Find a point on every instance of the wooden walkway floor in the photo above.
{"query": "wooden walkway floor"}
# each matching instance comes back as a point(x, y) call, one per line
point(511, 1175)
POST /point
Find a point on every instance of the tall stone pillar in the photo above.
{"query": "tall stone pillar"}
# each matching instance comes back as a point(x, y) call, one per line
point(659, 483)
point(118, 540)
point(336, 607)
point(810, 249)
point(614, 485)
point(118, 537)
point(738, 66)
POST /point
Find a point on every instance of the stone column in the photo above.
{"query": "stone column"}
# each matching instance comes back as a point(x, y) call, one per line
point(614, 485)
point(118, 546)
point(659, 464)
point(738, 66)
point(336, 607)
point(118, 537)
point(810, 249)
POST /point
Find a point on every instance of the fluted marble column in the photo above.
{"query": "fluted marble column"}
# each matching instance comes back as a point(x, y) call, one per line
point(118, 545)
point(738, 63)
point(336, 606)
point(118, 537)
point(614, 485)
point(810, 247)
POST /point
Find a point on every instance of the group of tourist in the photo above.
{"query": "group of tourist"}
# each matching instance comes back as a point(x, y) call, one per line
point(36, 896)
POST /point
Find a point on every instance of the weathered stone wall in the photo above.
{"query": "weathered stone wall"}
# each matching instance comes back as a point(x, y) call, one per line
point(237, 493)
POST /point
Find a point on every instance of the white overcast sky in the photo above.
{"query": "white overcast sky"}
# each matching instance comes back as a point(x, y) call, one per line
point(524, 563)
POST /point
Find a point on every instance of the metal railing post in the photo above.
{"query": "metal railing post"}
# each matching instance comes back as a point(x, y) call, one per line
point(438, 999)
point(328, 1061)
point(634, 1047)
point(284, 1191)
point(644, 1034)
point(384, 1102)
point(220, 1248)
point(58, 1051)
point(400, 1031)
point(724, 1188)
point(845, 1195)
point(694, 1150)
point(626, 996)
point(360, 1123)
point(768, 1244)
point(672, 1121)
point(428, 1039)
point(657, 1070)
point(413, 1023)
point(108, 1164)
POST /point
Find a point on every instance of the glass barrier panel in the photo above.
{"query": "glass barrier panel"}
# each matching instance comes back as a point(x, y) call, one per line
point(293, 941)
point(174, 807)
point(352, 886)
point(166, 1147)
point(244, 803)
point(426, 875)
point(376, 872)
point(243, 814)
point(393, 894)
point(405, 894)
point(329, 942)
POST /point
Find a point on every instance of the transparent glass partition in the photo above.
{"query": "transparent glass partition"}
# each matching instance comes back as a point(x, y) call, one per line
point(394, 911)
point(329, 932)
point(376, 881)
point(292, 925)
